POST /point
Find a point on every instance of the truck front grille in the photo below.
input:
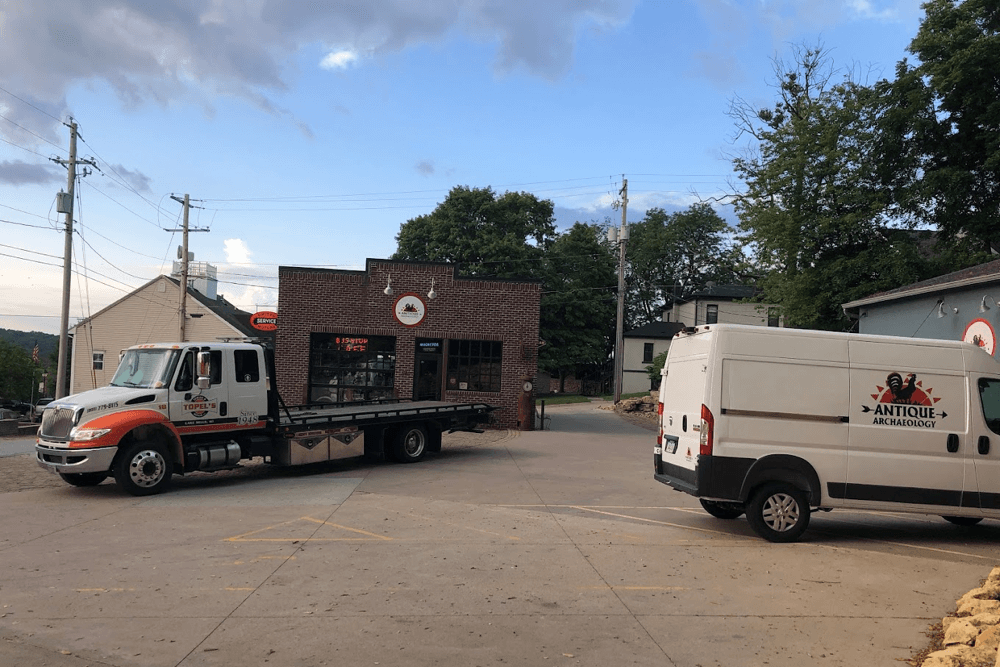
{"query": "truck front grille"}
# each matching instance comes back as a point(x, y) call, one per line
point(56, 423)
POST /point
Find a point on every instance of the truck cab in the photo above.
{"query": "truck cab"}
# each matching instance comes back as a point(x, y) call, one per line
point(170, 407)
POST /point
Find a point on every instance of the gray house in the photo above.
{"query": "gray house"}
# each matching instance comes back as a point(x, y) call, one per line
point(957, 306)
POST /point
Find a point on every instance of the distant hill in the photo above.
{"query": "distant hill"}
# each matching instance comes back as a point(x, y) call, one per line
point(48, 344)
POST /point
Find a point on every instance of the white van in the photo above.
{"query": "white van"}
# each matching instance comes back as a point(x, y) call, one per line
point(779, 422)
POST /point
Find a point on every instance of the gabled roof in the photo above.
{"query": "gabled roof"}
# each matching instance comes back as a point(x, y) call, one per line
point(717, 293)
point(655, 330)
point(227, 312)
point(974, 275)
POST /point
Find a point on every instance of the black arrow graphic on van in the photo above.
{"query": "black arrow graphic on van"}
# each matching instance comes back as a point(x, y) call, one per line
point(865, 408)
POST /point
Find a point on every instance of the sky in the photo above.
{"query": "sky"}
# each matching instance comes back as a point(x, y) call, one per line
point(306, 133)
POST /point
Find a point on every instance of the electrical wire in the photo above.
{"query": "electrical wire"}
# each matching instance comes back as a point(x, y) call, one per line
point(42, 111)
point(37, 136)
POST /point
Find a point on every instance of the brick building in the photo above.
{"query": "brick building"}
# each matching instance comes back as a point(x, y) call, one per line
point(434, 336)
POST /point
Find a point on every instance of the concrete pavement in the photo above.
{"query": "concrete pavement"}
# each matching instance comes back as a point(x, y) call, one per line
point(537, 548)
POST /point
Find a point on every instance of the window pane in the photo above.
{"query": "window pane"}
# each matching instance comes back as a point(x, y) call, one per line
point(474, 365)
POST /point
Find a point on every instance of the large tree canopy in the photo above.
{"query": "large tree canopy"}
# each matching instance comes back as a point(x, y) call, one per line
point(814, 214)
point(503, 236)
point(947, 109)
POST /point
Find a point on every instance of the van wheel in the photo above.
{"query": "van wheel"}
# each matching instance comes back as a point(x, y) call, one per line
point(963, 520)
point(83, 478)
point(411, 444)
point(722, 510)
point(144, 469)
point(778, 512)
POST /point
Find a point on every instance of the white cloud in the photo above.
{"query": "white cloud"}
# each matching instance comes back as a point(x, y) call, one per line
point(237, 251)
point(339, 60)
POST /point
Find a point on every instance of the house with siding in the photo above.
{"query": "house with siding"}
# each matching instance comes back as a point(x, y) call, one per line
point(715, 304)
point(149, 314)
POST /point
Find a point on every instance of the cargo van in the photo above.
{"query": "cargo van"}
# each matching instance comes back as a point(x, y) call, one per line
point(777, 423)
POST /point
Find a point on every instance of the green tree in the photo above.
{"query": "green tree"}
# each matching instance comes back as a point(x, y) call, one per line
point(813, 214)
point(503, 236)
point(945, 113)
point(676, 254)
point(16, 370)
point(578, 303)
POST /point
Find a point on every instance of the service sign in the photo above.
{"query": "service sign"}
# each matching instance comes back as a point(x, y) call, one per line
point(265, 320)
point(409, 310)
point(904, 399)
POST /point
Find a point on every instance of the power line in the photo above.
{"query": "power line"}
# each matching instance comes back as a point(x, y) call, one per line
point(42, 111)
point(24, 224)
point(23, 148)
point(38, 136)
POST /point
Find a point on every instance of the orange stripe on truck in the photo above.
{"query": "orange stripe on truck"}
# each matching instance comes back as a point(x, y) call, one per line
point(120, 423)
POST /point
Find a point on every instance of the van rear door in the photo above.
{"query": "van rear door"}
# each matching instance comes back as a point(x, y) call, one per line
point(682, 393)
point(986, 449)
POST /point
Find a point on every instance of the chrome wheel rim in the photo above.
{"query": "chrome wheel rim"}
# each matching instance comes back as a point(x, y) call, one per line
point(147, 468)
point(780, 512)
point(413, 445)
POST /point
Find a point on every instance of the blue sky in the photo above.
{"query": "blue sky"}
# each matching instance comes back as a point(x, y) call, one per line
point(309, 132)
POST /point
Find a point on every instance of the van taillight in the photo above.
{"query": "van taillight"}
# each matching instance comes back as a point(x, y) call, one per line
point(707, 433)
point(659, 430)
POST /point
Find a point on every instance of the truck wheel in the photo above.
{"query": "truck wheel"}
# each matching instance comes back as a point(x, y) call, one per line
point(411, 444)
point(778, 512)
point(963, 520)
point(722, 510)
point(83, 478)
point(144, 469)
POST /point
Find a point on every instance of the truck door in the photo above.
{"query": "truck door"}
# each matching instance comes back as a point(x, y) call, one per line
point(986, 446)
point(909, 435)
point(194, 410)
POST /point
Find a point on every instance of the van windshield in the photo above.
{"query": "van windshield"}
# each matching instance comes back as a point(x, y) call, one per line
point(145, 368)
point(989, 395)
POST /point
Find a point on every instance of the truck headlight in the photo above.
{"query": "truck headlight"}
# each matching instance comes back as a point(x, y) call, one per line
point(84, 434)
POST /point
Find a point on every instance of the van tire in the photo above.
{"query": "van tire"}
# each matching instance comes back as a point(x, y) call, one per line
point(778, 512)
point(963, 520)
point(721, 510)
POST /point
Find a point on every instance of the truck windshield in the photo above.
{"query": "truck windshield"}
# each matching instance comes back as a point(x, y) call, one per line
point(145, 368)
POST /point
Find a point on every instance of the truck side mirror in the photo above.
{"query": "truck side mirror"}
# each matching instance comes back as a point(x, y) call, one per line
point(204, 369)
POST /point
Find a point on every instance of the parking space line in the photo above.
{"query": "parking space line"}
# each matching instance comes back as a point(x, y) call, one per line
point(248, 536)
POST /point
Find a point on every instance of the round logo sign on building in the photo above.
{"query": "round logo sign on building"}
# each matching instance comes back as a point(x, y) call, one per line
point(409, 310)
point(980, 332)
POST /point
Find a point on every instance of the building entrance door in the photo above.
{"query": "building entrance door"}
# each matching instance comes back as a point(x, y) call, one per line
point(428, 362)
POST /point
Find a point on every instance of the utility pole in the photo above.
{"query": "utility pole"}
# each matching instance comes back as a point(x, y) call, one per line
point(184, 262)
point(620, 320)
point(66, 206)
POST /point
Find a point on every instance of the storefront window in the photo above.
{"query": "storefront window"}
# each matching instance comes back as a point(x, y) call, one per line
point(474, 365)
point(346, 368)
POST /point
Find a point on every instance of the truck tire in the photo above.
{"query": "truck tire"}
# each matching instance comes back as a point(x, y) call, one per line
point(144, 469)
point(778, 512)
point(410, 444)
point(963, 520)
point(83, 478)
point(722, 510)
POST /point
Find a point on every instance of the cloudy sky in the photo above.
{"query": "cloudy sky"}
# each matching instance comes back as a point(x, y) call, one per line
point(307, 132)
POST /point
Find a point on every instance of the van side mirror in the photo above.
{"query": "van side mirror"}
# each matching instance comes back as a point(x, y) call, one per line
point(204, 370)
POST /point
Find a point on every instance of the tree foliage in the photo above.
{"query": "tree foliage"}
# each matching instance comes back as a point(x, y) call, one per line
point(16, 372)
point(503, 236)
point(675, 254)
point(578, 304)
point(813, 213)
point(945, 113)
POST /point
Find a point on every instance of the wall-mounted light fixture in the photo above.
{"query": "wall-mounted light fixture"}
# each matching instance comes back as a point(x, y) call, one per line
point(388, 287)
point(432, 293)
point(983, 307)
point(940, 313)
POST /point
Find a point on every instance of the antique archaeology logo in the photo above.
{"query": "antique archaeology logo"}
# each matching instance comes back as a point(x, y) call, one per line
point(199, 406)
point(904, 402)
point(409, 310)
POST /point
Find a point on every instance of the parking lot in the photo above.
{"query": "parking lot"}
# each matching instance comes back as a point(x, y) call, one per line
point(539, 548)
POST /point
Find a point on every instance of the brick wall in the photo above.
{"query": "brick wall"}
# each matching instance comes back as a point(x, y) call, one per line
point(353, 302)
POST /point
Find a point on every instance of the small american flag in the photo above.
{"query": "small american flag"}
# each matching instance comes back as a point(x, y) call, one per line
point(34, 354)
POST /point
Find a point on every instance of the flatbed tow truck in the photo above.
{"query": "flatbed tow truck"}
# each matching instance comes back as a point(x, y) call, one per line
point(176, 408)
